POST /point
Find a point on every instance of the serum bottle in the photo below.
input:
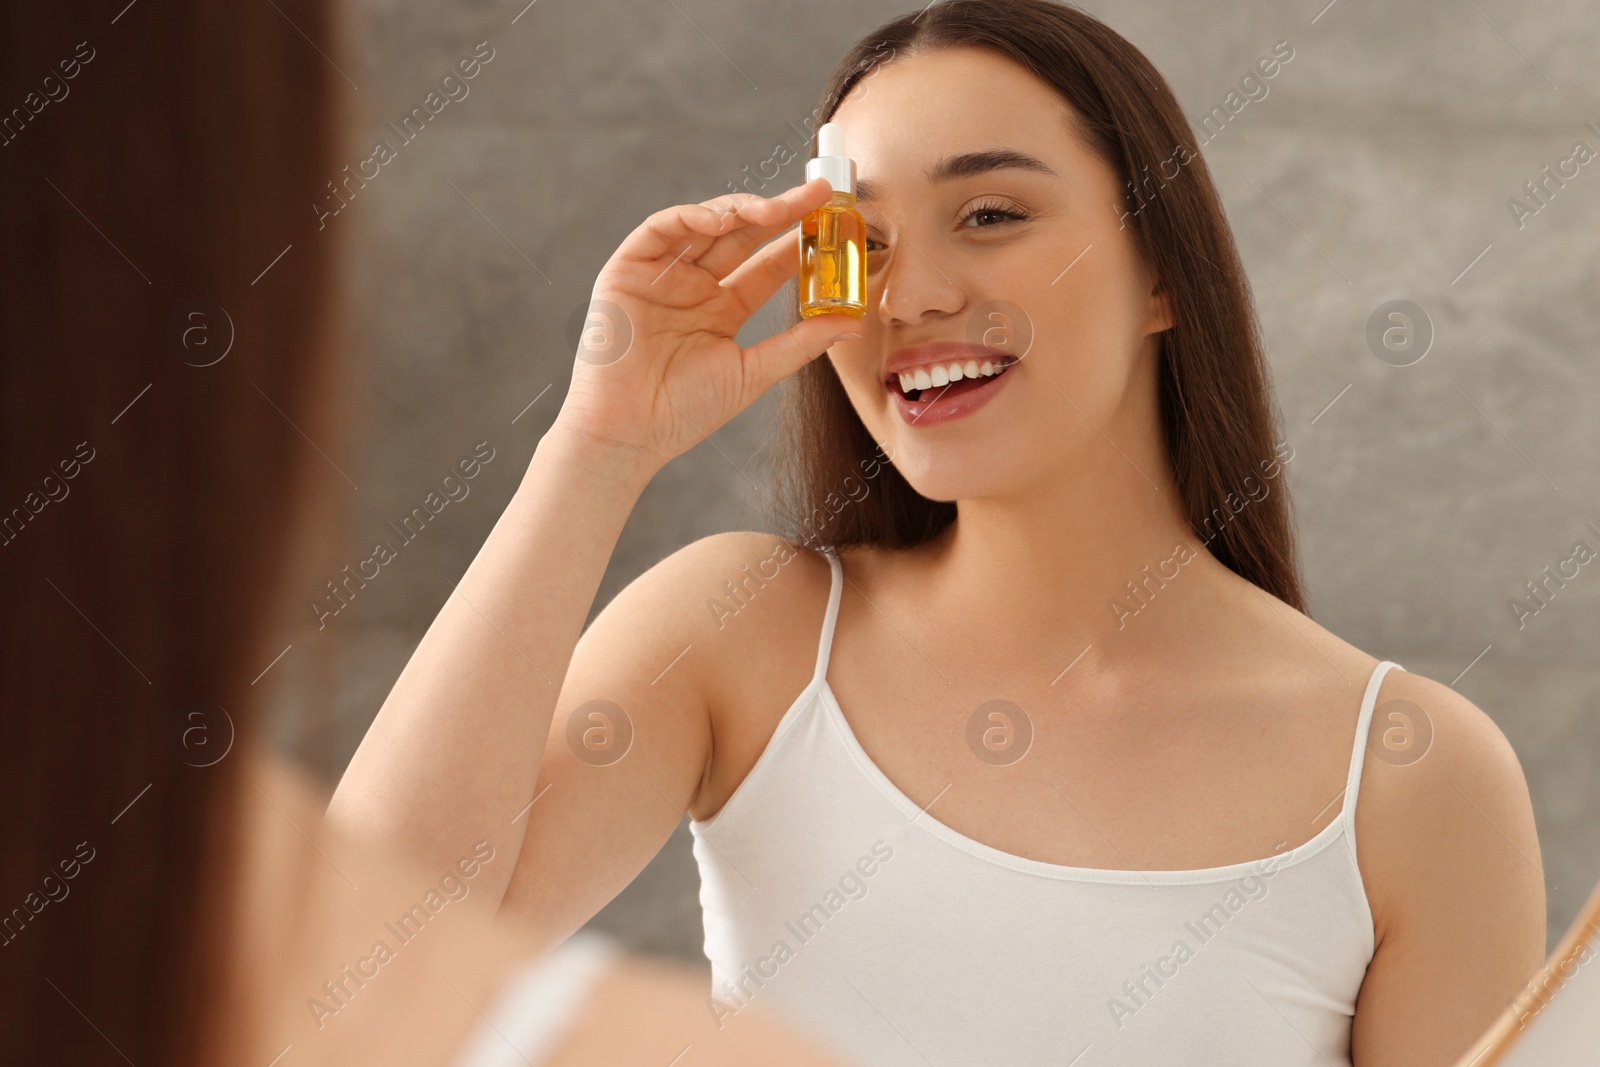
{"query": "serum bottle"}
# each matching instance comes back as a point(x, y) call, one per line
point(833, 238)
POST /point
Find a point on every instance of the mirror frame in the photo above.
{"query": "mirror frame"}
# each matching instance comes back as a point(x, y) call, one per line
point(1503, 1034)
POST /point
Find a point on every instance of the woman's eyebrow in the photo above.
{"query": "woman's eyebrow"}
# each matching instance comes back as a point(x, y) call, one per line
point(970, 164)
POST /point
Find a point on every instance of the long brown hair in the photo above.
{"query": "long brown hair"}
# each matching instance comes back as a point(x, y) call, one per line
point(158, 158)
point(1214, 393)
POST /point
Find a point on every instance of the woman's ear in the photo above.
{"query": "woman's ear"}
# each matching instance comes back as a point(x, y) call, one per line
point(1160, 307)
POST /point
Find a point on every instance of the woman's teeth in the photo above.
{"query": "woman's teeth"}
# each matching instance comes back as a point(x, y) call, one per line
point(933, 377)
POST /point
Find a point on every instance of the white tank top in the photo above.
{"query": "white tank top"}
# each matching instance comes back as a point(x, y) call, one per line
point(831, 897)
point(539, 1003)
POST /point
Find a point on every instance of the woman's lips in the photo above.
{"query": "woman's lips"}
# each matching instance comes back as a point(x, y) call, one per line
point(943, 403)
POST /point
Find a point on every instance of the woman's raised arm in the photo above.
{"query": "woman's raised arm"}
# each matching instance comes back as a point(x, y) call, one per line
point(453, 755)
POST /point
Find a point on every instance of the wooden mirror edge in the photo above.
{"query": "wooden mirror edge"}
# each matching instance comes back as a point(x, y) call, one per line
point(1503, 1033)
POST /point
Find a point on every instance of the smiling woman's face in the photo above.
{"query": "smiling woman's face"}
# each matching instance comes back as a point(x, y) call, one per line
point(1028, 257)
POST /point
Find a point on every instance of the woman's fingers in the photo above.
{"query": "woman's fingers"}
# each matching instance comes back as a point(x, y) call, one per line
point(760, 275)
point(766, 217)
point(690, 231)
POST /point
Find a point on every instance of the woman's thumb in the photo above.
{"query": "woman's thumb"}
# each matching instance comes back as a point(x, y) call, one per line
point(782, 354)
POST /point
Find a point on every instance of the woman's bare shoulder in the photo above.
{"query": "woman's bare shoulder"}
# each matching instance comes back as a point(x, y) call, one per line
point(1449, 855)
point(1441, 790)
point(751, 607)
point(741, 570)
point(717, 598)
point(1442, 795)
point(1438, 776)
point(740, 593)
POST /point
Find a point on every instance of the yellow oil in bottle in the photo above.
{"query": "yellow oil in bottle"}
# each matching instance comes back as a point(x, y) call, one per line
point(833, 259)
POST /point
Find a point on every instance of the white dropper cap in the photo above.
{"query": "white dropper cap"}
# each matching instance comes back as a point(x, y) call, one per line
point(830, 161)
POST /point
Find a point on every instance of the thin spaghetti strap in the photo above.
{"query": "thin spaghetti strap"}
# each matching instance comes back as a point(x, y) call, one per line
point(835, 594)
point(1369, 702)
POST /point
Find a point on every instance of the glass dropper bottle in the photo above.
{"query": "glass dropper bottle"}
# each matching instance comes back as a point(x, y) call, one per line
point(833, 238)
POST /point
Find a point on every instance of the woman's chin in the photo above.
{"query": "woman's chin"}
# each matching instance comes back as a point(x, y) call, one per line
point(951, 479)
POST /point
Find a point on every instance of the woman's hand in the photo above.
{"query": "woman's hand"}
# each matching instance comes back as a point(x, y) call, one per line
point(658, 369)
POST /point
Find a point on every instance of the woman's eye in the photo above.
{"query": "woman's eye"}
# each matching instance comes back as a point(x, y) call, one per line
point(988, 214)
point(993, 211)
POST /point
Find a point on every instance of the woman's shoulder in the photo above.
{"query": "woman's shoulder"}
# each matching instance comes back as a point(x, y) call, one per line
point(757, 603)
point(715, 625)
point(1441, 788)
point(1431, 752)
point(1444, 823)
point(742, 581)
point(724, 593)
point(1424, 735)
point(1442, 795)
point(1449, 857)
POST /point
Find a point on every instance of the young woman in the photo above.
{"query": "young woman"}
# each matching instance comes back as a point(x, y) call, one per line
point(1022, 746)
